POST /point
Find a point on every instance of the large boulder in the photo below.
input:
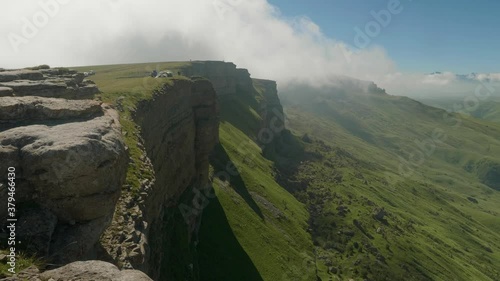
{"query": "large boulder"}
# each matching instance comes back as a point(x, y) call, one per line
point(70, 162)
point(379, 213)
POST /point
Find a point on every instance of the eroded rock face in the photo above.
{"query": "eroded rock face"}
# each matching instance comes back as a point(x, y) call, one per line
point(70, 164)
point(7, 76)
point(225, 77)
point(36, 228)
point(14, 109)
point(56, 83)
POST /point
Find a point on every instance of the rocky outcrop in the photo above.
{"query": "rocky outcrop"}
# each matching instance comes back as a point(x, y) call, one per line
point(8, 76)
point(225, 77)
point(273, 119)
point(93, 270)
point(271, 108)
point(488, 172)
point(228, 81)
point(81, 271)
point(17, 109)
point(379, 213)
point(70, 163)
point(179, 128)
point(55, 83)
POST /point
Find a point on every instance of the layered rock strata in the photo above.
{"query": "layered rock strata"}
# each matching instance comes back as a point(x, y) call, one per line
point(55, 83)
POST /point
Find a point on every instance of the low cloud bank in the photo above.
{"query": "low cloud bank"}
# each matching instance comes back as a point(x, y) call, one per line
point(253, 34)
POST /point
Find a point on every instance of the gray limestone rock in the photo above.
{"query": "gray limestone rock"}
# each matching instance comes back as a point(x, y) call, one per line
point(93, 270)
point(72, 166)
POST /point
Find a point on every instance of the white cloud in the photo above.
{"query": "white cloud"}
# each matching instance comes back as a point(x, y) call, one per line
point(253, 34)
point(439, 78)
point(491, 77)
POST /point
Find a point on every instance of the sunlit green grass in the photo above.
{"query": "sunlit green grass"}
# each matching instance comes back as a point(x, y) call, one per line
point(433, 231)
point(22, 262)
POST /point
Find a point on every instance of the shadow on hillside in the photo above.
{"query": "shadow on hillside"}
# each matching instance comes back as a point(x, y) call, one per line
point(288, 154)
point(220, 162)
point(238, 112)
point(221, 257)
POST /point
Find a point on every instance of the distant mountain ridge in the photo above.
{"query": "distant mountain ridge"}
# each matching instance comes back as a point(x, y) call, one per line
point(471, 77)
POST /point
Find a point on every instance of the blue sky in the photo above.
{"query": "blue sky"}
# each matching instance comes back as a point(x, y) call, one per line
point(460, 36)
point(451, 36)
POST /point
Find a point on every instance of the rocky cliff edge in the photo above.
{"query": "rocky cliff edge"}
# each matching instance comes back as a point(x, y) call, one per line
point(70, 163)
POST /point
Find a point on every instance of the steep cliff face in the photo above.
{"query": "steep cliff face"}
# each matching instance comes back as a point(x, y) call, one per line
point(230, 82)
point(273, 118)
point(225, 77)
point(158, 223)
point(179, 128)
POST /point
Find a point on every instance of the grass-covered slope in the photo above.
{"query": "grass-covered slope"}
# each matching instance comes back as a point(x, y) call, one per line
point(397, 190)
point(254, 229)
